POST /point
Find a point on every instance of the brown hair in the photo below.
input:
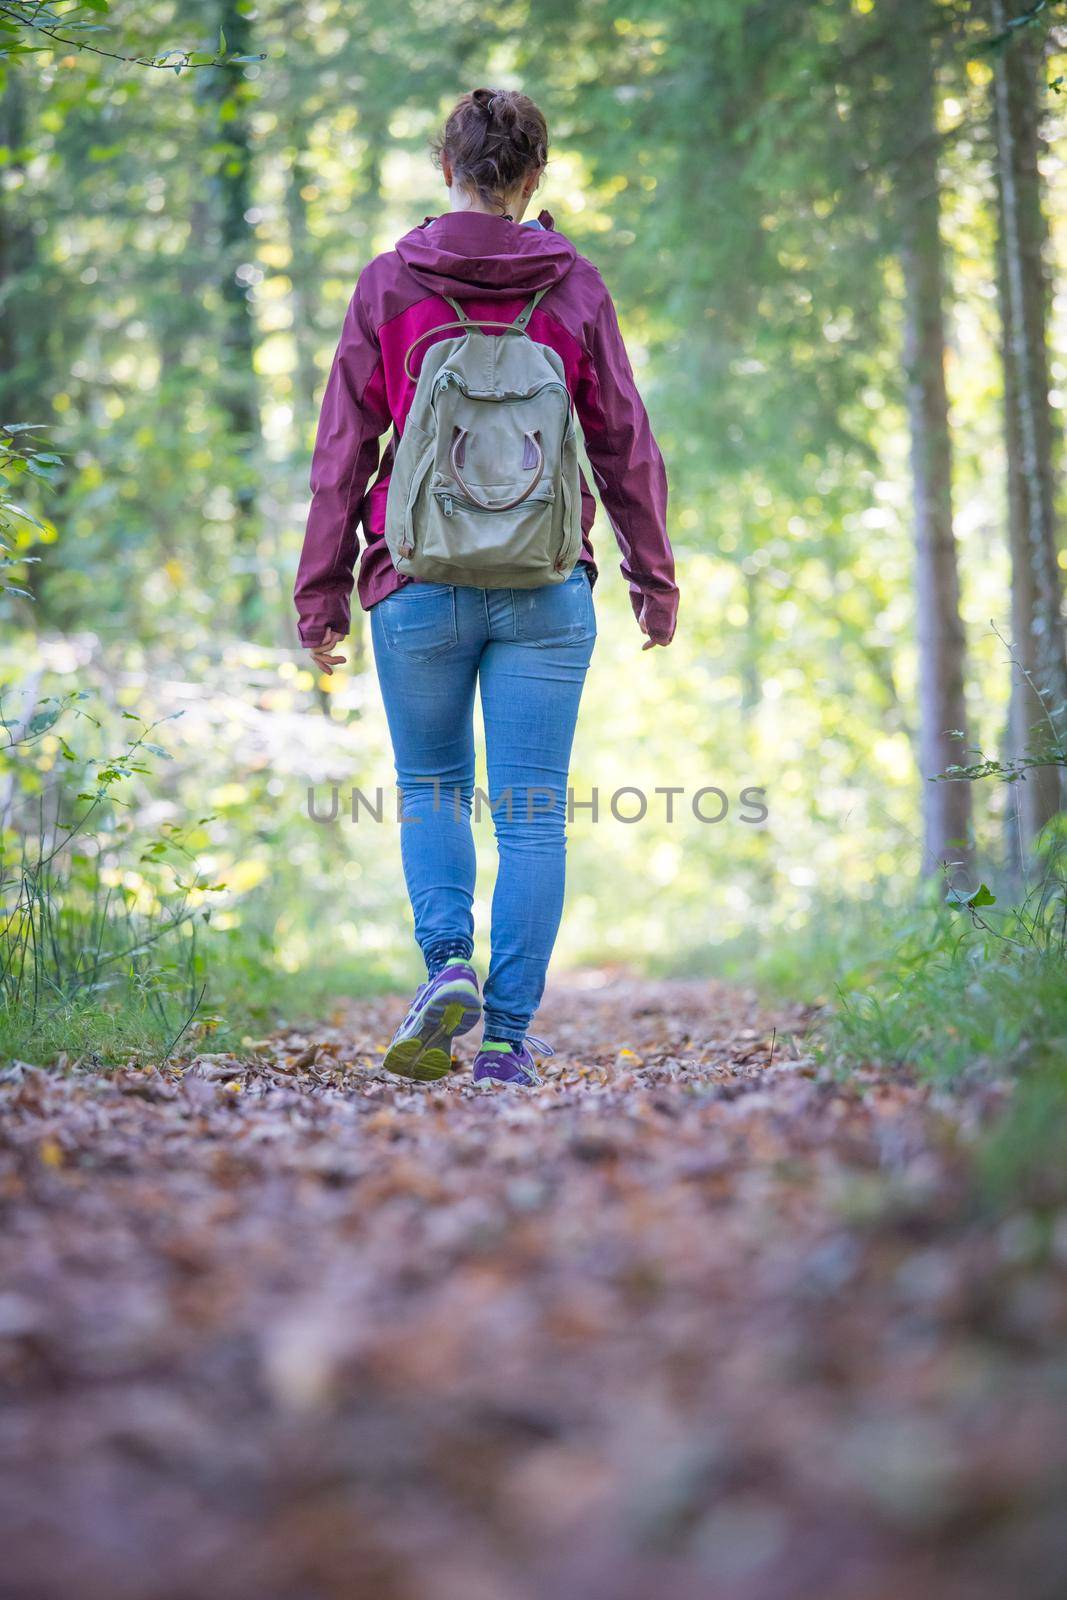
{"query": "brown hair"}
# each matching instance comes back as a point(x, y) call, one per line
point(493, 138)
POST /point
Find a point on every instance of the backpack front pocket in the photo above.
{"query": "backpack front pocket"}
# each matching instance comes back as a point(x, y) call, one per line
point(473, 538)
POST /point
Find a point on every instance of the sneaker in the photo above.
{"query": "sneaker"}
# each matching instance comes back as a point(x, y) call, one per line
point(506, 1062)
point(443, 1007)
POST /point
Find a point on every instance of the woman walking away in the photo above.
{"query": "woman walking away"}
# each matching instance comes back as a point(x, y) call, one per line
point(481, 338)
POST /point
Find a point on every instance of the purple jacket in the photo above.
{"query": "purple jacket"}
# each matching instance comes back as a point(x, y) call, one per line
point(491, 266)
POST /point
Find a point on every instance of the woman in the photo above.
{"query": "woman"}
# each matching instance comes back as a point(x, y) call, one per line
point(527, 649)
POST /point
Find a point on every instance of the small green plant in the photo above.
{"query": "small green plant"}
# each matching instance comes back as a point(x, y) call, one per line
point(96, 956)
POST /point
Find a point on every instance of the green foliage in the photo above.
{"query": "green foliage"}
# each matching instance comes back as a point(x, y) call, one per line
point(20, 529)
point(1023, 1161)
point(89, 950)
point(972, 1002)
point(1026, 18)
point(948, 999)
point(32, 27)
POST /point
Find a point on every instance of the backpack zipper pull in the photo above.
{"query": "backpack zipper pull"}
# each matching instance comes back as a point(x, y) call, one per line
point(447, 505)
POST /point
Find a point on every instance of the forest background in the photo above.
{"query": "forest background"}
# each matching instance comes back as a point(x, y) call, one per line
point(836, 233)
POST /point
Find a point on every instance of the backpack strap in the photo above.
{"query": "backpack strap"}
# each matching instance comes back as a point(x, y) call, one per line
point(457, 322)
point(457, 308)
point(520, 321)
point(461, 320)
point(529, 308)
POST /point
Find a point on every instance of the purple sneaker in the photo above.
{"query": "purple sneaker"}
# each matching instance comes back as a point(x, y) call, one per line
point(443, 1006)
point(500, 1062)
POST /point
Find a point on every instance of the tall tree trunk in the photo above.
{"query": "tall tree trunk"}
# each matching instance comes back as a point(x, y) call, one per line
point(1039, 687)
point(226, 92)
point(26, 358)
point(303, 279)
point(1035, 800)
point(942, 712)
point(26, 355)
point(16, 256)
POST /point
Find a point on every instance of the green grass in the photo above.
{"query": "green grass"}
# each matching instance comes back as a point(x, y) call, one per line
point(249, 992)
point(927, 988)
point(955, 1008)
point(242, 992)
point(82, 1030)
point(918, 984)
point(838, 947)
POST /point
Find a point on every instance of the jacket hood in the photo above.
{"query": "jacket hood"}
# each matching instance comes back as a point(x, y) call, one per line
point(475, 253)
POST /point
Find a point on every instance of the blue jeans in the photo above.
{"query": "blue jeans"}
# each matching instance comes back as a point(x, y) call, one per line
point(529, 649)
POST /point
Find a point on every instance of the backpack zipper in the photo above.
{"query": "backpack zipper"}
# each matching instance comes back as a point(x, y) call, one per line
point(448, 378)
point(449, 500)
point(418, 478)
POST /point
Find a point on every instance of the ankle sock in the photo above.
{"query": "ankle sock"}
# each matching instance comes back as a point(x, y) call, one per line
point(439, 956)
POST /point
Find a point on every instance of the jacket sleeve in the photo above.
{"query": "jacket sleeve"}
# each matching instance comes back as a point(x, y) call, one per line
point(354, 415)
point(629, 472)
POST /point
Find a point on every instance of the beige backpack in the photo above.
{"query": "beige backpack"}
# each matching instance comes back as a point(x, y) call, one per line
point(484, 489)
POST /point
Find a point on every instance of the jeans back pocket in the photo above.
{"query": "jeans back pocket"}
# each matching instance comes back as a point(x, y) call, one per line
point(419, 620)
point(557, 613)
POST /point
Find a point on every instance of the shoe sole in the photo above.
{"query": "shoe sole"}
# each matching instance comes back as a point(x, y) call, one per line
point(508, 1083)
point(427, 1055)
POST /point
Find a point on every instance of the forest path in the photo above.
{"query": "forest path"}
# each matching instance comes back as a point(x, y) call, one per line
point(696, 1320)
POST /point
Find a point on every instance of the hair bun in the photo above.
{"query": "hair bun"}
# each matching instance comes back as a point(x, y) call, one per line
point(493, 137)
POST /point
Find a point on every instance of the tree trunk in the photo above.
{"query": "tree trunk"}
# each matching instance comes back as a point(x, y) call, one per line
point(1034, 800)
point(16, 256)
point(1039, 686)
point(303, 280)
point(225, 90)
point(25, 355)
point(27, 360)
point(941, 645)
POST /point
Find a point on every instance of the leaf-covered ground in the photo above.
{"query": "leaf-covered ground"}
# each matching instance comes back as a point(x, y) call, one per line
point(693, 1320)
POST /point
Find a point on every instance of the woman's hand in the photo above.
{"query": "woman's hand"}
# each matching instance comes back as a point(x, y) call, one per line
point(320, 653)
